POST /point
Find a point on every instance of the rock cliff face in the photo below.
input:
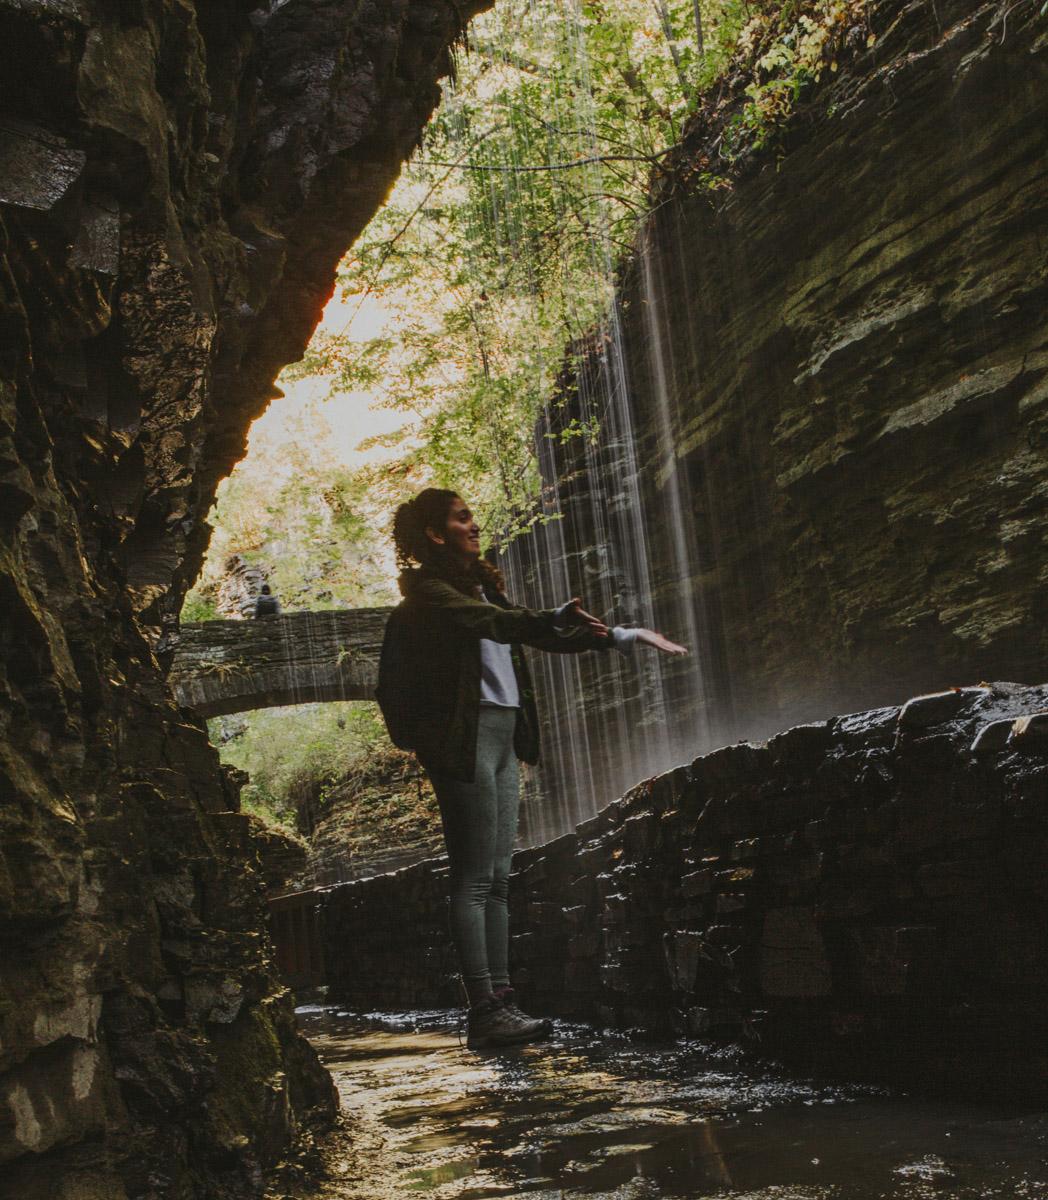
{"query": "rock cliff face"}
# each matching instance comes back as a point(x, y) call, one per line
point(861, 894)
point(836, 376)
point(177, 183)
point(240, 587)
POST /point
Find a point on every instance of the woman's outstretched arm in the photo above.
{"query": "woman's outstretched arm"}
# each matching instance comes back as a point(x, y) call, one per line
point(586, 632)
point(658, 641)
point(480, 619)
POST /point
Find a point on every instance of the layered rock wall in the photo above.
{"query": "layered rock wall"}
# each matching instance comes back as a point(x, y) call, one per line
point(835, 370)
point(863, 894)
point(177, 183)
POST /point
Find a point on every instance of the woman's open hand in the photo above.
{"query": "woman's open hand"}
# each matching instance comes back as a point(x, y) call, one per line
point(576, 615)
point(651, 638)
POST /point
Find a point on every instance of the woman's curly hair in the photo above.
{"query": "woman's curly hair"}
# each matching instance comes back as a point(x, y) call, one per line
point(416, 551)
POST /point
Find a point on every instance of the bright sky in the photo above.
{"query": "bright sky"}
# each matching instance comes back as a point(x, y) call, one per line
point(349, 415)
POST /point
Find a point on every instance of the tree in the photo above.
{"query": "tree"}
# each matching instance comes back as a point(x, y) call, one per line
point(498, 247)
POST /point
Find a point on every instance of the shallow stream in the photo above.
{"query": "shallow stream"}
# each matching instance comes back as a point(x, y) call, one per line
point(586, 1114)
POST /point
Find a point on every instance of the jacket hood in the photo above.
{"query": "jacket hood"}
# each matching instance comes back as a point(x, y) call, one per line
point(410, 578)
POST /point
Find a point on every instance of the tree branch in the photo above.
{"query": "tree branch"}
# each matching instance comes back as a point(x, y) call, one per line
point(565, 166)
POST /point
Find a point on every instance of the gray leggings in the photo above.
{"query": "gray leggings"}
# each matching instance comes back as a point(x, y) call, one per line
point(480, 828)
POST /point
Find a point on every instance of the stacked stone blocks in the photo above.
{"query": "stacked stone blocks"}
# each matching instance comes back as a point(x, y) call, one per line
point(864, 894)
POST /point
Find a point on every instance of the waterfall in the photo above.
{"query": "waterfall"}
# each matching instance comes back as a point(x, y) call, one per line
point(607, 723)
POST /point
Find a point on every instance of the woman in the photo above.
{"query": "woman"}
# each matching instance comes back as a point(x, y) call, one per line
point(454, 687)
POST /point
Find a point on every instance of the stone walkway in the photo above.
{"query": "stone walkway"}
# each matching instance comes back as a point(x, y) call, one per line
point(585, 1115)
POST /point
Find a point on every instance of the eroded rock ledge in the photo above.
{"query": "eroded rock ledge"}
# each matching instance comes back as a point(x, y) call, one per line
point(864, 895)
point(177, 183)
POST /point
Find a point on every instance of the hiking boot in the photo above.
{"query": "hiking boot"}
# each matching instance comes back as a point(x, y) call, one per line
point(508, 998)
point(491, 1023)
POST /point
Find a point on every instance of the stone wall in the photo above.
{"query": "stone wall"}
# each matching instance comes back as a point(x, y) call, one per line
point(835, 371)
point(863, 894)
point(178, 180)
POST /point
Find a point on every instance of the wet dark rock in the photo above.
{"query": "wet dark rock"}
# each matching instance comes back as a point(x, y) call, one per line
point(793, 958)
point(177, 184)
point(993, 737)
point(373, 826)
point(890, 924)
point(37, 169)
point(924, 711)
point(283, 857)
point(1030, 733)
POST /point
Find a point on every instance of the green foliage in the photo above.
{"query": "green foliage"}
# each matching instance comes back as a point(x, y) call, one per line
point(293, 755)
point(788, 48)
point(498, 247)
point(198, 607)
point(293, 509)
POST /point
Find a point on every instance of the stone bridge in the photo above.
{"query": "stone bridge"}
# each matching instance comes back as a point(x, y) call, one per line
point(232, 666)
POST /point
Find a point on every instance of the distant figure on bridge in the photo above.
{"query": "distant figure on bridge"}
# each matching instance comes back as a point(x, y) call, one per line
point(267, 605)
point(454, 687)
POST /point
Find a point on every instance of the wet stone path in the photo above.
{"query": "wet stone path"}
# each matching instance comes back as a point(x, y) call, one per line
point(591, 1115)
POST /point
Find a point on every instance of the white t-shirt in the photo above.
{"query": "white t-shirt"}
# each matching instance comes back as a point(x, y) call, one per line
point(498, 680)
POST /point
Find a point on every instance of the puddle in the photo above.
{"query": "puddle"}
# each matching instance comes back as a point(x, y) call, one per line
point(602, 1117)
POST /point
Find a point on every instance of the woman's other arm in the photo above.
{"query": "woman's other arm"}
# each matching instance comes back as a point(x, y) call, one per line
point(620, 638)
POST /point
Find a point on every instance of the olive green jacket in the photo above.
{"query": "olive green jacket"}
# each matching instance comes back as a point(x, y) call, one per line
point(429, 672)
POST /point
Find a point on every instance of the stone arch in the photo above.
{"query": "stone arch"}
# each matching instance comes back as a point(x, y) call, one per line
point(222, 667)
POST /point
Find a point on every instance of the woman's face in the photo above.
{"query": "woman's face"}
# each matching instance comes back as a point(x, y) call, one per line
point(461, 533)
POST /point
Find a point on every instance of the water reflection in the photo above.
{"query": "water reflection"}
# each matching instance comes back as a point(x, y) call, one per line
point(585, 1115)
